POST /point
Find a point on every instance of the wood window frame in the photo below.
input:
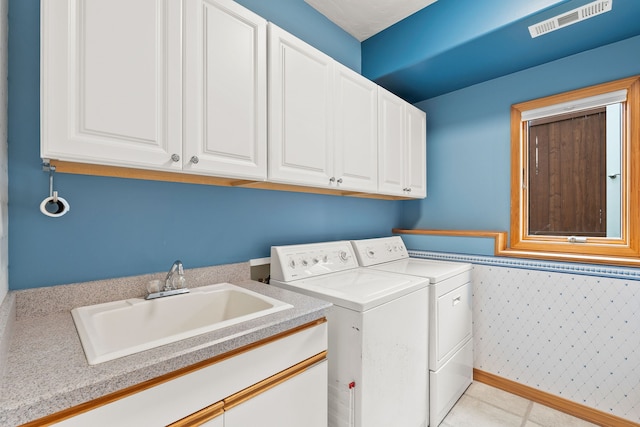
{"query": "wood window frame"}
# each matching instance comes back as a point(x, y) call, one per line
point(622, 251)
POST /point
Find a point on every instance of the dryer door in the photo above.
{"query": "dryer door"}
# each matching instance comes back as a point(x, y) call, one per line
point(453, 327)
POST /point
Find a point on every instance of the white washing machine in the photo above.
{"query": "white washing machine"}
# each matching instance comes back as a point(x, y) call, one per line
point(378, 333)
point(450, 321)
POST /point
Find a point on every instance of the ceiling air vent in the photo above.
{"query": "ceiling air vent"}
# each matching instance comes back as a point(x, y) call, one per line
point(576, 15)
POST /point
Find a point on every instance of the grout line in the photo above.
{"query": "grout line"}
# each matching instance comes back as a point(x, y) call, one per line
point(526, 414)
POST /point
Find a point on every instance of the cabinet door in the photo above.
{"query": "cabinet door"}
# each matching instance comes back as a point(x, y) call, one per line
point(216, 422)
point(299, 401)
point(225, 90)
point(211, 416)
point(391, 137)
point(356, 131)
point(416, 152)
point(111, 82)
point(300, 111)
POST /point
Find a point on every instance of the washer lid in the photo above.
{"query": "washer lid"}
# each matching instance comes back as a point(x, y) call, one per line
point(435, 271)
point(359, 289)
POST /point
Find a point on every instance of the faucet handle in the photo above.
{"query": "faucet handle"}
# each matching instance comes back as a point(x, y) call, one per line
point(179, 282)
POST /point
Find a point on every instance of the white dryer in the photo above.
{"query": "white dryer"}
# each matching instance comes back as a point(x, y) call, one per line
point(450, 322)
point(378, 333)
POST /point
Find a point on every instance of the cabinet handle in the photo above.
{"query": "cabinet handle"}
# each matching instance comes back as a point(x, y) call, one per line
point(175, 158)
point(194, 160)
point(456, 300)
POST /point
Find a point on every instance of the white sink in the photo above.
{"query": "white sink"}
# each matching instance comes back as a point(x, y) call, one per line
point(120, 328)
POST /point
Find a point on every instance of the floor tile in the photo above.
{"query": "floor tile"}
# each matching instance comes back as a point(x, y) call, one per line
point(496, 397)
point(471, 412)
point(549, 417)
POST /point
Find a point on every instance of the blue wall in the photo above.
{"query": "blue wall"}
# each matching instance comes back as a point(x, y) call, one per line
point(118, 227)
point(468, 141)
point(450, 24)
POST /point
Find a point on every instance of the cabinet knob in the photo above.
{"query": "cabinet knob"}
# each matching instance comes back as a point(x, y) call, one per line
point(194, 160)
point(340, 181)
point(175, 158)
point(332, 179)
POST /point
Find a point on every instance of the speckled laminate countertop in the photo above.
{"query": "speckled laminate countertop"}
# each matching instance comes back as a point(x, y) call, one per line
point(46, 370)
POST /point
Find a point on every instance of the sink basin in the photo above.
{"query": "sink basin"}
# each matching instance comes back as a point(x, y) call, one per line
point(120, 328)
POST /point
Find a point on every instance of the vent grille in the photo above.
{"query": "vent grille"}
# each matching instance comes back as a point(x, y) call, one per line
point(576, 15)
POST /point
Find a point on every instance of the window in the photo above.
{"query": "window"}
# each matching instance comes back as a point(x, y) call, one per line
point(575, 175)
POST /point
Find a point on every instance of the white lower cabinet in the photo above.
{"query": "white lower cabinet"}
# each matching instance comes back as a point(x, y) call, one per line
point(278, 383)
point(294, 403)
point(216, 422)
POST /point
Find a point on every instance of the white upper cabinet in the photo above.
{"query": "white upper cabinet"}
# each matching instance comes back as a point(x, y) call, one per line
point(208, 87)
point(355, 131)
point(402, 147)
point(111, 89)
point(225, 90)
point(112, 78)
point(322, 122)
point(391, 137)
point(300, 111)
point(416, 152)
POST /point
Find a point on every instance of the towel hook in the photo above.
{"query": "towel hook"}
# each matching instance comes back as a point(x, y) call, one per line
point(53, 206)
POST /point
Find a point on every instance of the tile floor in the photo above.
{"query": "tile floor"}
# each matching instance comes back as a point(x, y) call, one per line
point(485, 406)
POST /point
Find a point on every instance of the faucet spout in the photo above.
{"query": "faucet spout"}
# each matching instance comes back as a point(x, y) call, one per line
point(173, 283)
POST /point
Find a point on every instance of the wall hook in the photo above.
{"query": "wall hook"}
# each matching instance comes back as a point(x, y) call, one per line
point(54, 205)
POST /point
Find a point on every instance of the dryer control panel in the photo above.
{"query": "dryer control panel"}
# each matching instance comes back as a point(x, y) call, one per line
point(295, 262)
point(376, 251)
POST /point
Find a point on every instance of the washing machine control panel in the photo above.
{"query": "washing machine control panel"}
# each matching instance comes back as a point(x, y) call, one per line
point(376, 251)
point(301, 261)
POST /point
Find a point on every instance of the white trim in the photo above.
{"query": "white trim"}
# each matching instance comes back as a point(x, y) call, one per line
point(577, 105)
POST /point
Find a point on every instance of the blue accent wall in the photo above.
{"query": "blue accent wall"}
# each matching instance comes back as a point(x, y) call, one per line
point(119, 227)
point(468, 141)
point(454, 44)
point(439, 28)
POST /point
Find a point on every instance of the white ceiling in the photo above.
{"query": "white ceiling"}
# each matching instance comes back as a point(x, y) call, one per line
point(364, 18)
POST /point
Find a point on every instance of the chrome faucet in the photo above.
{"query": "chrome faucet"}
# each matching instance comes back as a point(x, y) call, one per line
point(173, 283)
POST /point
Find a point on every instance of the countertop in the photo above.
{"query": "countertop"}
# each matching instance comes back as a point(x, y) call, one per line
point(46, 370)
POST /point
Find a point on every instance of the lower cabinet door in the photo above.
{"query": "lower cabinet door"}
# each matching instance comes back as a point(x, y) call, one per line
point(299, 401)
point(216, 422)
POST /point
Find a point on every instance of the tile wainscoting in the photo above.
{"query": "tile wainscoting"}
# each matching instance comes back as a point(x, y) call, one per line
point(566, 329)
